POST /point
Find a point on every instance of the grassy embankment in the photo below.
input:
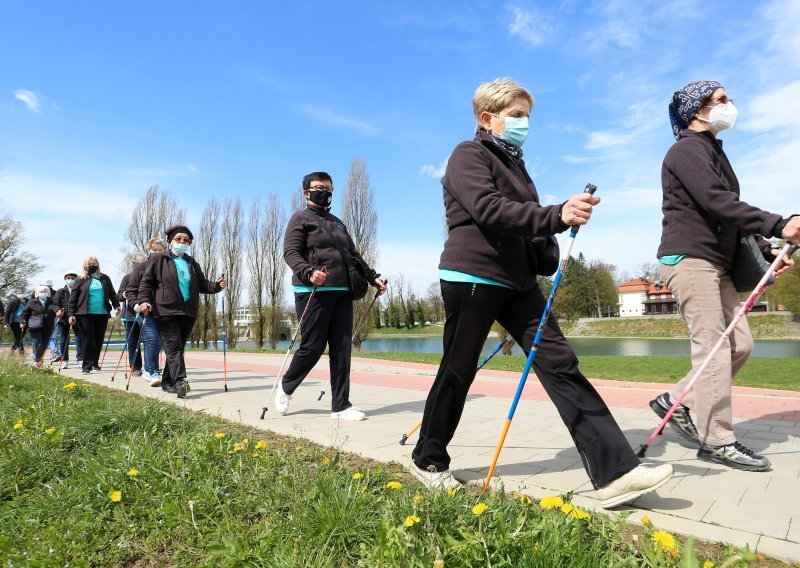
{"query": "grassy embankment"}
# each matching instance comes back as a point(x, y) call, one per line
point(95, 477)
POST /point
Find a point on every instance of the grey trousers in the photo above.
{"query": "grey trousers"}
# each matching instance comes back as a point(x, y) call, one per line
point(708, 303)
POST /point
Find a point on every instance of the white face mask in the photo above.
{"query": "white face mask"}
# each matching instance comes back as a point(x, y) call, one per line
point(722, 116)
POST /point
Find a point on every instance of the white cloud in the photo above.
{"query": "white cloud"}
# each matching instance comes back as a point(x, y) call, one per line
point(435, 172)
point(192, 168)
point(775, 110)
point(533, 28)
point(328, 116)
point(783, 21)
point(31, 100)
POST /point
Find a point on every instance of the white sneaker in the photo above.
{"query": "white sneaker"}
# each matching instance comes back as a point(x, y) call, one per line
point(433, 479)
point(634, 484)
point(155, 378)
point(282, 402)
point(351, 413)
point(65, 365)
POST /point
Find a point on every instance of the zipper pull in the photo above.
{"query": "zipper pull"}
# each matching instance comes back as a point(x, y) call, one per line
point(473, 289)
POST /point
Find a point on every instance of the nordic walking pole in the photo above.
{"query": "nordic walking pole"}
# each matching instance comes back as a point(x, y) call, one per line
point(135, 351)
point(358, 328)
point(47, 345)
point(787, 251)
point(121, 355)
point(110, 333)
point(291, 344)
point(66, 350)
point(480, 366)
point(590, 189)
point(224, 346)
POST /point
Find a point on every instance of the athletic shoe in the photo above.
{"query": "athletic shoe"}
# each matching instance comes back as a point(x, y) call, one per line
point(182, 389)
point(65, 365)
point(734, 455)
point(640, 480)
point(168, 388)
point(96, 367)
point(282, 401)
point(680, 419)
point(137, 372)
point(55, 360)
point(85, 372)
point(155, 378)
point(433, 479)
point(352, 413)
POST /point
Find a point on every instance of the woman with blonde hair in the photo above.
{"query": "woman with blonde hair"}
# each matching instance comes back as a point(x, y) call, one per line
point(89, 306)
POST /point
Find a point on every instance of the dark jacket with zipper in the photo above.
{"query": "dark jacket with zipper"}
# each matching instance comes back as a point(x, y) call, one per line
point(34, 307)
point(121, 293)
point(79, 299)
point(703, 214)
point(132, 284)
point(307, 246)
point(11, 308)
point(493, 211)
point(159, 286)
point(61, 302)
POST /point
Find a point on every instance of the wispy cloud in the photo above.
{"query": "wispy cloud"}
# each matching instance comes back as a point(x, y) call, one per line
point(333, 118)
point(30, 99)
point(191, 168)
point(532, 27)
point(775, 110)
point(435, 171)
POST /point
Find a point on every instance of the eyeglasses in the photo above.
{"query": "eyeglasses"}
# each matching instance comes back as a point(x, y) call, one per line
point(723, 100)
point(320, 188)
point(183, 240)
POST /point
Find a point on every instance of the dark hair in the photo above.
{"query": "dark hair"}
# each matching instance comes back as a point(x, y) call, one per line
point(315, 176)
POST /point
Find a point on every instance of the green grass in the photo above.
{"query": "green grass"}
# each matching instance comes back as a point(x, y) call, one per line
point(206, 492)
point(760, 372)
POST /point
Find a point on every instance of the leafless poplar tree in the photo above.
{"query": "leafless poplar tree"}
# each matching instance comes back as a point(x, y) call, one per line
point(361, 220)
point(205, 252)
point(297, 201)
point(231, 235)
point(154, 212)
point(256, 263)
point(16, 265)
point(275, 267)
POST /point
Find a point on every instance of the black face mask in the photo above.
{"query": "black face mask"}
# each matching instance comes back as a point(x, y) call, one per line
point(92, 269)
point(322, 198)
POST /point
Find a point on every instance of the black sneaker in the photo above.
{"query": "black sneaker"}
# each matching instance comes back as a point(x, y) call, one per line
point(734, 455)
point(96, 368)
point(85, 372)
point(137, 372)
point(182, 389)
point(168, 388)
point(680, 419)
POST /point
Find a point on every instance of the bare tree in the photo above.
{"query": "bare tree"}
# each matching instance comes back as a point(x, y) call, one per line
point(256, 263)
point(434, 302)
point(275, 267)
point(647, 270)
point(16, 265)
point(155, 211)
point(297, 201)
point(361, 220)
point(205, 251)
point(230, 247)
point(502, 333)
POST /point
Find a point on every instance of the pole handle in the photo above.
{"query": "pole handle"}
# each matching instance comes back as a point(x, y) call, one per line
point(590, 188)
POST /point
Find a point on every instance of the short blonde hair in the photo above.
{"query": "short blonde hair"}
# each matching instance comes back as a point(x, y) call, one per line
point(156, 242)
point(86, 266)
point(42, 288)
point(497, 95)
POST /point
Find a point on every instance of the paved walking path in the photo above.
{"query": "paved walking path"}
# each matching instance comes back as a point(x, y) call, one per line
point(708, 501)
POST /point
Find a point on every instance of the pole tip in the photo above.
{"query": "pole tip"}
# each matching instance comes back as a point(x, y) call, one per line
point(226, 388)
point(642, 451)
point(263, 412)
point(403, 439)
point(321, 394)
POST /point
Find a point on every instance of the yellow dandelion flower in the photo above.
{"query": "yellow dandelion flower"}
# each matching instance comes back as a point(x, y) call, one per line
point(246, 441)
point(219, 435)
point(567, 508)
point(86, 385)
point(238, 447)
point(261, 445)
point(50, 431)
point(133, 472)
point(551, 502)
point(579, 513)
point(526, 499)
point(298, 448)
point(398, 475)
point(708, 564)
point(646, 521)
point(255, 455)
point(70, 386)
point(479, 509)
point(418, 499)
point(326, 460)
point(411, 520)
point(39, 396)
point(438, 563)
point(452, 492)
point(666, 540)
point(33, 407)
point(358, 475)
point(19, 425)
point(115, 496)
point(394, 485)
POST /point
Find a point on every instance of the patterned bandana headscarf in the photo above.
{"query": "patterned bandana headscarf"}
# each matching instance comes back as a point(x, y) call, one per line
point(686, 102)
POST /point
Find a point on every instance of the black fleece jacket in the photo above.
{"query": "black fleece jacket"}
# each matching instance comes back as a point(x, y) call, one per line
point(11, 308)
point(79, 299)
point(132, 283)
point(61, 302)
point(306, 246)
point(492, 210)
point(35, 308)
point(159, 286)
point(703, 214)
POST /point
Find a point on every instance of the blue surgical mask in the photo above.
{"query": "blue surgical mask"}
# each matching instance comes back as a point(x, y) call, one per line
point(43, 296)
point(69, 282)
point(516, 130)
point(180, 248)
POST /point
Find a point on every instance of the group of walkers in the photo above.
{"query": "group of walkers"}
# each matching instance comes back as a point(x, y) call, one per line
point(500, 237)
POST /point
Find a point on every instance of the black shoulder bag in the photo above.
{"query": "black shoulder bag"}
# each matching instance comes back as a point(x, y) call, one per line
point(749, 265)
point(358, 282)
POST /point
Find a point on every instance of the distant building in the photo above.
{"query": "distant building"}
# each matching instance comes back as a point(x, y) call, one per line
point(645, 297)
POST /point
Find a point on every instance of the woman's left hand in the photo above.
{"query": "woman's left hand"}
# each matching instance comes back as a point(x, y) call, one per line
point(222, 282)
point(786, 263)
point(381, 286)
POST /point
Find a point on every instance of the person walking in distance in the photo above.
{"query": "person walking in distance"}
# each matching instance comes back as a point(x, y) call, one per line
point(133, 330)
point(170, 289)
point(38, 317)
point(90, 304)
point(61, 306)
point(12, 317)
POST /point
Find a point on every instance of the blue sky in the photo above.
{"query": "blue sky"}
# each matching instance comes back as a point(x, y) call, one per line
point(98, 101)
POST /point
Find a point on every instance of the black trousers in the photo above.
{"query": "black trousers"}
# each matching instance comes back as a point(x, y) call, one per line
point(470, 311)
point(19, 333)
point(93, 333)
point(329, 321)
point(175, 331)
